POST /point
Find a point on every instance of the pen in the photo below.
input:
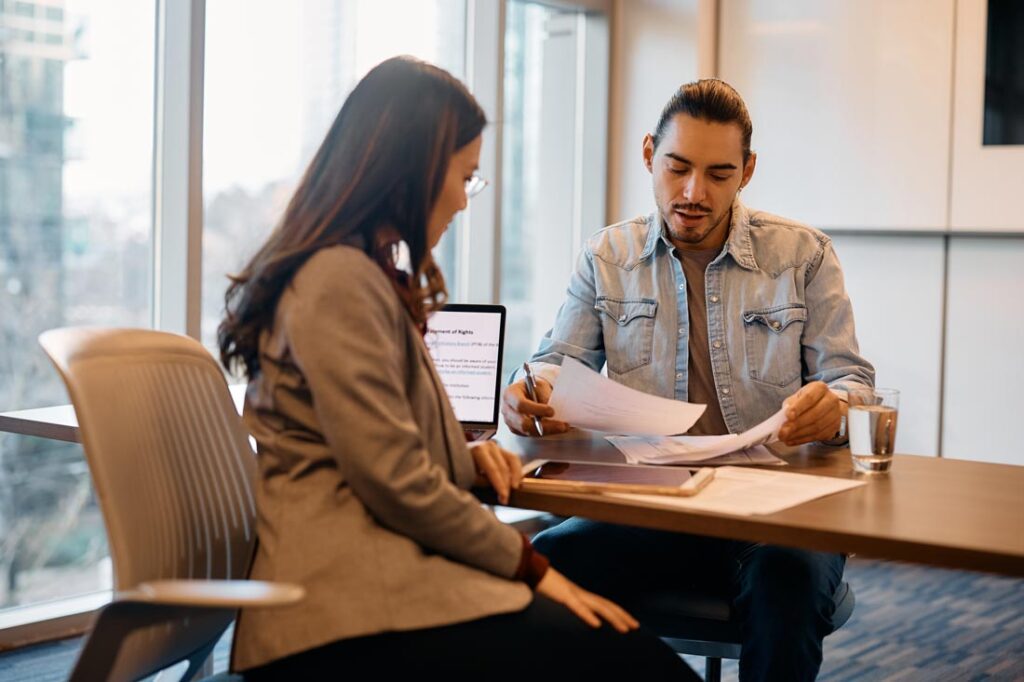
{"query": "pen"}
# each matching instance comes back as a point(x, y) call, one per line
point(531, 392)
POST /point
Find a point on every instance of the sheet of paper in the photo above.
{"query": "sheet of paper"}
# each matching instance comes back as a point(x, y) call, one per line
point(633, 450)
point(690, 449)
point(589, 400)
point(758, 454)
point(748, 492)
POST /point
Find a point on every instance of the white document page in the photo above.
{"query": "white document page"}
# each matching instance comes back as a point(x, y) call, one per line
point(748, 492)
point(758, 454)
point(634, 449)
point(589, 400)
point(688, 449)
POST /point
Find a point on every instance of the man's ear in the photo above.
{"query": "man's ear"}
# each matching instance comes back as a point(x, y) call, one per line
point(649, 152)
point(748, 170)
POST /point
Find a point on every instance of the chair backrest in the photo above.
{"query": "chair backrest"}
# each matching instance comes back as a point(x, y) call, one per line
point(170, 461)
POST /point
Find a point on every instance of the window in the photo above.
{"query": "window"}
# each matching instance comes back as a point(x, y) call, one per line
point(268, 110)
point(76, 134)
point(556, 65)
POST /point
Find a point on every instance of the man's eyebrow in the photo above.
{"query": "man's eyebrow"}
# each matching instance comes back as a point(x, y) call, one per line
point(717, 166)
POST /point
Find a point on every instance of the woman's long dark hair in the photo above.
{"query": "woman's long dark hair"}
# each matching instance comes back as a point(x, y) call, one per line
point(372, 183)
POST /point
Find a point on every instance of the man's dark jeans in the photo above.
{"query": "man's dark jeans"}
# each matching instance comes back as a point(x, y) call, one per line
point(784, 596)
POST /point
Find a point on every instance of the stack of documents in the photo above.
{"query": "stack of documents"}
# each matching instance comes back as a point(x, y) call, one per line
point(668, 451)
point(743, 448)
point(589, 400)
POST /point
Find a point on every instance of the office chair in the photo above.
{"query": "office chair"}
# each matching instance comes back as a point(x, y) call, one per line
point(173, 472)
point(703, 624)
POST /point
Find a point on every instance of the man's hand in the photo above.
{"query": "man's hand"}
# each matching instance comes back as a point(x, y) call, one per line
point(518, 410)
point(813, 413)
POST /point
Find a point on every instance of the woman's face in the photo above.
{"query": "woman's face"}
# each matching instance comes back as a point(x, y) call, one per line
point(452, 198)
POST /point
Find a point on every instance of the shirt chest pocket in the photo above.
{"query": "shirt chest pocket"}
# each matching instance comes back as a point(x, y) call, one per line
point(628, 328)
point(773, 344)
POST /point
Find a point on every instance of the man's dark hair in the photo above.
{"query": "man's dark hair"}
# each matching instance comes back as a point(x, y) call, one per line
point(708, 99)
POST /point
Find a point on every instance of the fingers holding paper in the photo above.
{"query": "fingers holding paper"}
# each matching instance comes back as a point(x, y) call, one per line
point(812, 414)
point(518, 410)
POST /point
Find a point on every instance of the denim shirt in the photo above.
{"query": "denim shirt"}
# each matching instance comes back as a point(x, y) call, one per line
point(778, 315)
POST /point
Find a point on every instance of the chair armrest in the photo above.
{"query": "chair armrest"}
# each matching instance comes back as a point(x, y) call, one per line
point(231, 594)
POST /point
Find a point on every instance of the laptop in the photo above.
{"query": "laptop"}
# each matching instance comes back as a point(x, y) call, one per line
point(467, 343)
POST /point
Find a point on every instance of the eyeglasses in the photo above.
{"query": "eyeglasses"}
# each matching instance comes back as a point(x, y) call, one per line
point(474, 186)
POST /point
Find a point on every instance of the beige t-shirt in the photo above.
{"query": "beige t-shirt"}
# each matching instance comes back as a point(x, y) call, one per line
point(701, 380)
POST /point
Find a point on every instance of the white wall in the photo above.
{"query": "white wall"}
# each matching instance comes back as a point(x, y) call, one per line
point(895, 284)
point(866, 123)
point(984, 351)
point(850, 103)
point(654, 51)
point(986, 181)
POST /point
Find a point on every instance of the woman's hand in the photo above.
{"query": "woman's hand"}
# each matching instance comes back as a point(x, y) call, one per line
point(496, 466)
point(590, 608)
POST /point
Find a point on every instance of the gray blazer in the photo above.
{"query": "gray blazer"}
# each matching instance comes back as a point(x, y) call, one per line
point(363, 474)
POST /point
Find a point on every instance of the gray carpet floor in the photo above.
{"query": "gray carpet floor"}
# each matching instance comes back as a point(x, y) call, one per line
point(911, 623)
point(923, 624)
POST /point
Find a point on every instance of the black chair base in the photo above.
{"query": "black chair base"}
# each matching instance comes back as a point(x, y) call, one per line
point(703, 624)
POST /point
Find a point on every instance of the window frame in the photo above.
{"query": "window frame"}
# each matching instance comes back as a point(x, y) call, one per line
point(177, 211)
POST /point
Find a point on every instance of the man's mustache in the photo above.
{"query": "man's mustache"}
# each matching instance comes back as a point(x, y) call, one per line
point(691, 208)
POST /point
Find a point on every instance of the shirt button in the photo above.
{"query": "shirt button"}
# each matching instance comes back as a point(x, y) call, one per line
point(725, 391)
point(681, 331)
point(622, 318)
point(775, 324)
point(679, 375)
point(714, 299)
point(717, 344)
point(681, 287)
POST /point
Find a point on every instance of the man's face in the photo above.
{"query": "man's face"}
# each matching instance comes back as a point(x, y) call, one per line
point(697, 170)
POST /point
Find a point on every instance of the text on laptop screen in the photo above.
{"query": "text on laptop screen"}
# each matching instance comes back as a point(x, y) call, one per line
point(465, 347)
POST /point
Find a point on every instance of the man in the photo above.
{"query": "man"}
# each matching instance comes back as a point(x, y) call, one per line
point(708, 301)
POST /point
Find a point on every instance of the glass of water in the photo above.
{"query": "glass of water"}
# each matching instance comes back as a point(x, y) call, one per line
point(871, 423)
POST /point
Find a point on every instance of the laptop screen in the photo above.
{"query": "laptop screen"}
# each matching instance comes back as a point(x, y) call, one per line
point(466, 343)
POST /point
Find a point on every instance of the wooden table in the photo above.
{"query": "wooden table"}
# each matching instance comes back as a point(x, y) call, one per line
point(942, 512)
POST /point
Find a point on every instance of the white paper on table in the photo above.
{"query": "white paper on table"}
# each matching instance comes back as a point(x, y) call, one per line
point(749, 492)
point(759, 455)
point(589, 400)
point(690, 449)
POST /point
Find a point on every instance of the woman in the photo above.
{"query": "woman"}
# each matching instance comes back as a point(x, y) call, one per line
point(364, 469)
